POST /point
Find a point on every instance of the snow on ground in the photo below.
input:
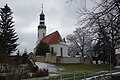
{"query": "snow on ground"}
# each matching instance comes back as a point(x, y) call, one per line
point(117, 67)
point(50, 67)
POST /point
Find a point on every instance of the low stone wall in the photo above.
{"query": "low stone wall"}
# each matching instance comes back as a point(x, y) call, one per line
point(50, 58)
point(57, 59)
point(70, 60)
point(40, 58)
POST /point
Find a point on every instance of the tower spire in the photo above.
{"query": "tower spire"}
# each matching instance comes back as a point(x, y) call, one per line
point(42, 19)
point(42, 7)
point(41, 26)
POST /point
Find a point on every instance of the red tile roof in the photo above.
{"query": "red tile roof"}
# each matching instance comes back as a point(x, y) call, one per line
point(117, 56)
point(53, 38)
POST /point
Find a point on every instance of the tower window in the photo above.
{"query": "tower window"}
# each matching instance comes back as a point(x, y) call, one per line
point(43, 34)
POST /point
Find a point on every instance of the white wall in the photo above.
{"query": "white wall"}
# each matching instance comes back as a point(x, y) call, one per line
point(40, 34)
point(57, 49)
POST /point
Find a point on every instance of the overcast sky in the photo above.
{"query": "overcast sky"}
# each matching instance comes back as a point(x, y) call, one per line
point(59, 16)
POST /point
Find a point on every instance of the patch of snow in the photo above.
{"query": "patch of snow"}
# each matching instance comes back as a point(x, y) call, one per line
point(53, 75)
point(50, 67)
point(117, 67)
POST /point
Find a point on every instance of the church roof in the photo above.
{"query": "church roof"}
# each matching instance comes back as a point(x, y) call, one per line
point(53, 38)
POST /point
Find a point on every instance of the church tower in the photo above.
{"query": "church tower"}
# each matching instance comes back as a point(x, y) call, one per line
point(41, 27)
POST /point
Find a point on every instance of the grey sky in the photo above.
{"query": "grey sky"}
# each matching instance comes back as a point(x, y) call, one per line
point(59, 16)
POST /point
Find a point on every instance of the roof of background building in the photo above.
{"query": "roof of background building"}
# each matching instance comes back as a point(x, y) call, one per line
point(117, 56)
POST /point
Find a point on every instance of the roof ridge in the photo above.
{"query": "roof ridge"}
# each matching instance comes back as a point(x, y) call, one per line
point(52, 33)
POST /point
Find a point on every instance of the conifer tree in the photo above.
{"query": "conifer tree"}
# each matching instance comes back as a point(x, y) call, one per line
point(25, 56)
point(8, 37)
point(42, 49)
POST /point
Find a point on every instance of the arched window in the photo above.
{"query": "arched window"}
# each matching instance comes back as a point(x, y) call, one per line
point(52, 50)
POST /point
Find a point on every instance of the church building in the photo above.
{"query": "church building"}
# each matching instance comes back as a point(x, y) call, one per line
point(57, 45)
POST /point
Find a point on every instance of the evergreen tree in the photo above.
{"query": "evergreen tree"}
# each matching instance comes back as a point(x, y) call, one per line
point(18, 53)
point(18, 56)
point(8, 37)
point(25, 56)
point(42, 49)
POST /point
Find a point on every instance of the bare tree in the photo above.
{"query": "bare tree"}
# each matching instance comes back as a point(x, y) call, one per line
point(104, 19)
point(80, 41)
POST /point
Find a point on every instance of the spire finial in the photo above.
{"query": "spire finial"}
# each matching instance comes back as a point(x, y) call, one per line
point(42, 7)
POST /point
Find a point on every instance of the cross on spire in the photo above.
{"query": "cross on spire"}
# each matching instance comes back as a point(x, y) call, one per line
point(42, 19)
point(42, 7)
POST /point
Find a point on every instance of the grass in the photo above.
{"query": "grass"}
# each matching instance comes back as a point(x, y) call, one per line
point(78, 69)
point(82, 68)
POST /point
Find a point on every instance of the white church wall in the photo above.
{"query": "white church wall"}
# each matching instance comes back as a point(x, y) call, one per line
point(54, 46)
point(65, 49)
point(57, 49)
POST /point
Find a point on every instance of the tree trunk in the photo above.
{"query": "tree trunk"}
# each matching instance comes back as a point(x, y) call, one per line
point(113, 57)
point(96, 61)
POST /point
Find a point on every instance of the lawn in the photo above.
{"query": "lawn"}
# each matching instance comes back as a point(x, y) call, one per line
point(78, 69)
point(82, 68)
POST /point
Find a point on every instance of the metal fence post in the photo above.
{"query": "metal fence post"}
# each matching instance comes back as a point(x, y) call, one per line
point(74, 76)
point(92, 75)
point(60, 76)
point(84, 77)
